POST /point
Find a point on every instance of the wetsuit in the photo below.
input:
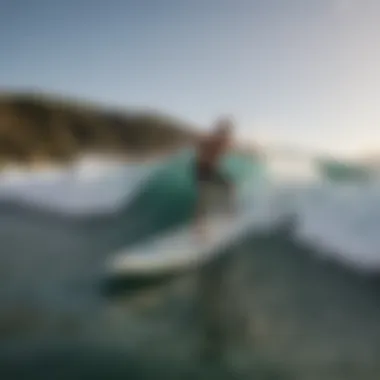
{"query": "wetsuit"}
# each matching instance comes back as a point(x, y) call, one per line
point(207, 160)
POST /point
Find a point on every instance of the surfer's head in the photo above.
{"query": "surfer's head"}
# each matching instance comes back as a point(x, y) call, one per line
point(223, 126)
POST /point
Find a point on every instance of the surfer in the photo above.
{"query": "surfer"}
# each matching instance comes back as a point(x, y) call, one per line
point(207, 173)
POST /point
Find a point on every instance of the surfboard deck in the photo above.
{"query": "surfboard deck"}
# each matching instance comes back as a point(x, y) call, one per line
point(178, 250)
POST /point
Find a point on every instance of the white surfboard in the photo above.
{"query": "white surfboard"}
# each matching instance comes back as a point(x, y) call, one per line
point(178, 250)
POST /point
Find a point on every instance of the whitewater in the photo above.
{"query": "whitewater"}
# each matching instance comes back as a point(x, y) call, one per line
point(91, 185)
point(342, 219)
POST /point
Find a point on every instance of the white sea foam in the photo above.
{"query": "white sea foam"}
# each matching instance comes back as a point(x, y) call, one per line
point(341, 219)
point(89, 186)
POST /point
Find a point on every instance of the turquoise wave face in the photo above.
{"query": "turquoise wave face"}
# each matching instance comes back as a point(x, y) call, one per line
point(169, 197)
point(238, 167)
point(336, 171)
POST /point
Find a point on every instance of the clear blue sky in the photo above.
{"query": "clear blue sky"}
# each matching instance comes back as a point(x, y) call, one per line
point(302, 71)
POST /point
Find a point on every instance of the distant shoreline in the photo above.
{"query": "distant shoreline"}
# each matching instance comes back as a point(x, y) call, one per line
point(38, 128)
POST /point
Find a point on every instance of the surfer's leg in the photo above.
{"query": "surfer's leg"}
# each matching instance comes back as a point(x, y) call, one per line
point(200, 208)
point(202, 176)
point(222, 180)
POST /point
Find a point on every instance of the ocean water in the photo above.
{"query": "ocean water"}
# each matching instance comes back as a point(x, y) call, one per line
point(303, 283)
